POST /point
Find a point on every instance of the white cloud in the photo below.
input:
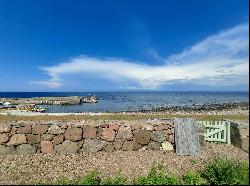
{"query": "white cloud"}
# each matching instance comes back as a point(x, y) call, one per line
point(219, 59)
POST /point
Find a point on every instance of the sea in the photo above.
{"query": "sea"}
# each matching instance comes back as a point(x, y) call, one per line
point(133, 101)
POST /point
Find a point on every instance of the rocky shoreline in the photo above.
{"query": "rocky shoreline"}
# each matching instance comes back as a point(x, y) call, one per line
point(197, 108)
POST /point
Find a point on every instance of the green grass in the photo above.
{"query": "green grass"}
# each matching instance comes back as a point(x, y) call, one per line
point(220, 171)
point(128, 117)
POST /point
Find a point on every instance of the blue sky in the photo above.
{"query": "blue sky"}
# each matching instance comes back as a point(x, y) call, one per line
point(102, 45)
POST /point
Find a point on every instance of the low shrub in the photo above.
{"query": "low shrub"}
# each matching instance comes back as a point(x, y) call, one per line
point(62, 181)
point(224, 171)
point(192, 178)
point(119, 179)
point(91, 178)
point(157, 176)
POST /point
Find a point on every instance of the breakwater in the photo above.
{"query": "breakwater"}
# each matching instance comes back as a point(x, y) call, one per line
point(67, 100)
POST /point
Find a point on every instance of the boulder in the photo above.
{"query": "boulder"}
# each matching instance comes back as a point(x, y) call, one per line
point(118, 145)
point(73, 134)
point(58, 139)
point(17, 139)
point(4, 137)
point(64, 126)
point(89, 132)
point(39, 129)
point(161, 127)
point(136, 126)
point(99, 133)
point(166, 146)
point(171, 138)
point(114, 126)
point(47, 147)
point(109, 148)
point(5, 150)
point(5, 128)
point(55, 130)
point(142, 136)
point(124, 133)
point(154, 145)
point(93, 145)
point(33, 139)
point(147, 127)
point(67, 147)
point(24, 130)
point(47, 137)
point(25, 149)
point(158, 136)
point(130, 146)
point(108, 134)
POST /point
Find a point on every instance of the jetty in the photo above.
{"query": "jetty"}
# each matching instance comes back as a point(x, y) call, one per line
point(31, 104)
point(67, 100)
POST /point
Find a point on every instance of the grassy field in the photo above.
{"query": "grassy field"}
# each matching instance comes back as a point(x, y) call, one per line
point(4, 118)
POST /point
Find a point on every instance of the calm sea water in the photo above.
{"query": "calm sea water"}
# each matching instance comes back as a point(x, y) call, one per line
point(131, 101)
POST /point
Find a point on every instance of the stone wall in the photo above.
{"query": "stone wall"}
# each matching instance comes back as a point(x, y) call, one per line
point(65, 138)
point(240, 134)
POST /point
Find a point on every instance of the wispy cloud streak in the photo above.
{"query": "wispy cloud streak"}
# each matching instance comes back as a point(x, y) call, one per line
point(219, 59)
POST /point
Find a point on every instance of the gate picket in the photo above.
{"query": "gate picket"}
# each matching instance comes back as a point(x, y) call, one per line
point(217, 131)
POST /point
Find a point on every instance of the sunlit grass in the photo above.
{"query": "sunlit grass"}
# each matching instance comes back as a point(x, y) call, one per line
point(4, 118)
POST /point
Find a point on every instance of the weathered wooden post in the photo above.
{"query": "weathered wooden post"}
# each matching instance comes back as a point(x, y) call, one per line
point(189, 138)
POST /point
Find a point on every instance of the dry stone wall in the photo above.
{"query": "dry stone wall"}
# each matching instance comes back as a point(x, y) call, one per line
point(66, 138)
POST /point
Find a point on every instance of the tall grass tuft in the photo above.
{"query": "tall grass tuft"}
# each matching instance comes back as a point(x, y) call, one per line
point(157, 176)
point(192, 178)
point(91, 178)
point(119, 179)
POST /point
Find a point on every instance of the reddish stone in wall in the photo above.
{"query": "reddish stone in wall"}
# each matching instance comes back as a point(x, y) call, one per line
point(47, 147)
point(108, 134)
point(24, 130)
point(58, 139)
point(39, 129)
point(161, 127)
point(4, 137)
point(5, 128)
point(73, 134)
point(17, 139)
point(89, 132)
point(142, 136)
point(33, 139)
point(114, 126)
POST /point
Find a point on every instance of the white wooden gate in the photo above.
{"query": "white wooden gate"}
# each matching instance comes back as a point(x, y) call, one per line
point(217, 131)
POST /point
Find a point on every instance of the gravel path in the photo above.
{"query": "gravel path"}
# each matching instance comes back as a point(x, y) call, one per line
point(29, 169)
